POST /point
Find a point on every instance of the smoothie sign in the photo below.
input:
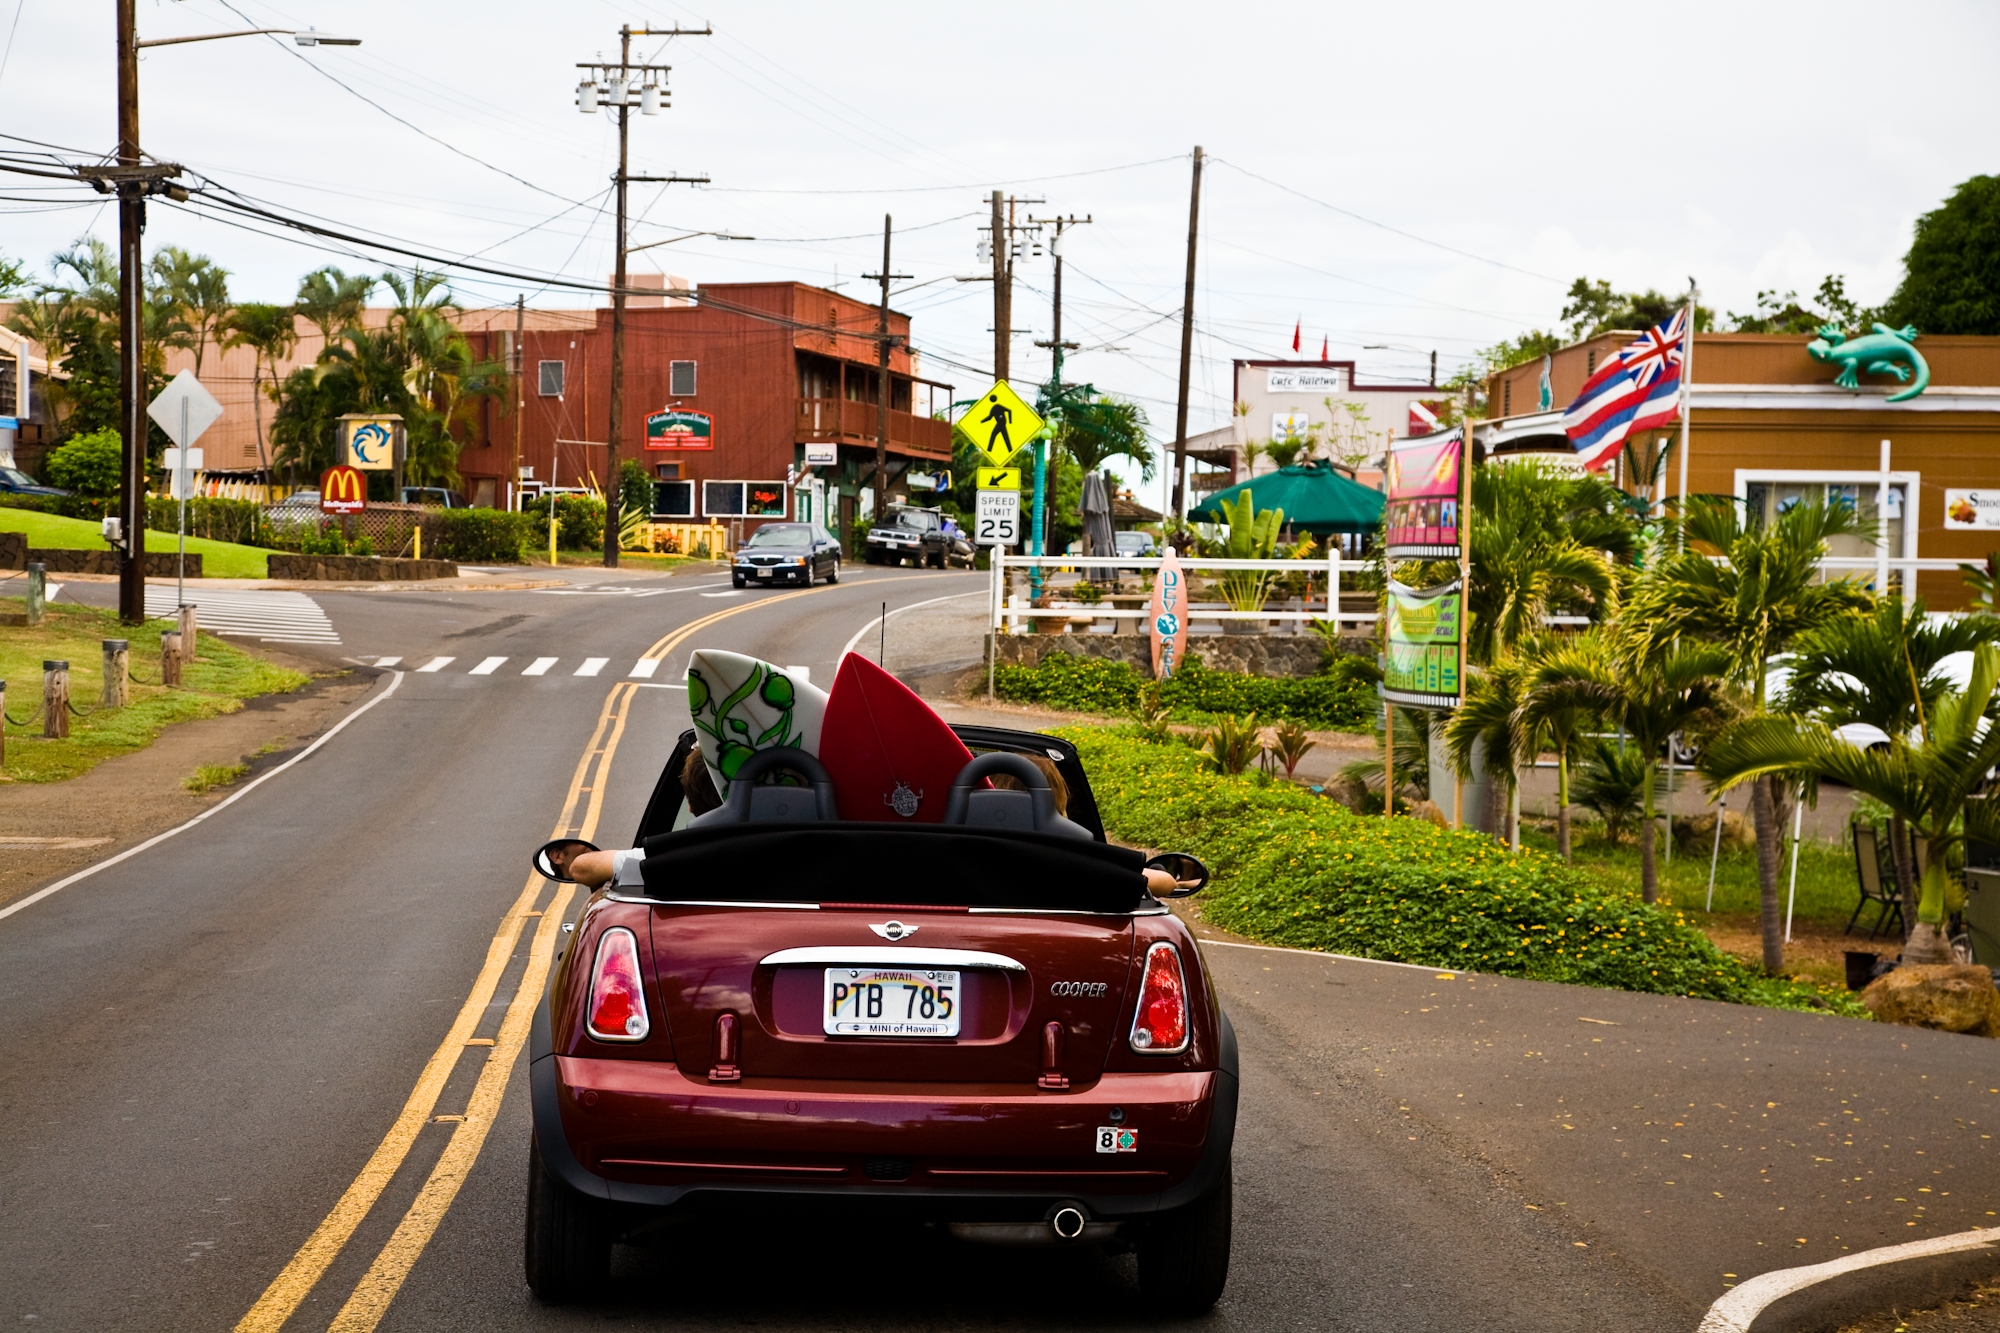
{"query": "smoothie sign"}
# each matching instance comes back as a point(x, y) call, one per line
point(1424, 490)
point(1423, 664)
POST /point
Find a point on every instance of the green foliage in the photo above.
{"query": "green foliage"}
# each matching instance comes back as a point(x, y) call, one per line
point(579, 521)
point(1593, 308)
point(1342, 697)
point(1093, 429)
point(635, 489)
point(1292, 745)
point(1252, 536)
point(1612, 781)
point(1232, 744)
point(1295, 869)
point(330, 539)
point(1783, 314)
point(238, 521)
point(486, 536)
point(91, 465)
point(1539, 543)
point(1951, 276)
point(88, 402)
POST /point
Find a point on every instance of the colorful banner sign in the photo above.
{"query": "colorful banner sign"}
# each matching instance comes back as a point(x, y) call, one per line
point(1424, 488)
point(678, 428)
point(1421, 664)
point(1169, 629)
point(1965, 510)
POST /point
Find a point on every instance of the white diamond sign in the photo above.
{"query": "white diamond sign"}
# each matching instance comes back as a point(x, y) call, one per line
point(185, 409)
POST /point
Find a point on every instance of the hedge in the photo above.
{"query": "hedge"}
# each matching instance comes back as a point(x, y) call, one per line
point(1296, 869)
point(487, 536)
point(579, 521)
point(1342, 697)
point(239, 521)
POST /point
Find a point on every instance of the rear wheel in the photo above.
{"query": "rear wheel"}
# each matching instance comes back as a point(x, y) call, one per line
point(833, 574)
point(1184, 1255)
point(568, 1250)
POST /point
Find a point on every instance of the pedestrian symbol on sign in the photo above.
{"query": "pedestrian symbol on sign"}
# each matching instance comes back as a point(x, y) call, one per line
point(999, 414)
point(999, 423)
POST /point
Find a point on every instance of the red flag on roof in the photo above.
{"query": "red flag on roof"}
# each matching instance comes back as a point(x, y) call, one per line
point(1296, 329)
point(1322, 347)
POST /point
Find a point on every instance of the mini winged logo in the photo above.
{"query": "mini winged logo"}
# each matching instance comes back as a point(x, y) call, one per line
point(893, 930)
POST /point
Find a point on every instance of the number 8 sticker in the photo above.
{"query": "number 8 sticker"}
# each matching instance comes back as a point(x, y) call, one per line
point(1112, 1138)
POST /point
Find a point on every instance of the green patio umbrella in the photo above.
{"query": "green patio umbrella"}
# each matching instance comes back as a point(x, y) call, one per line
point(1316, 498)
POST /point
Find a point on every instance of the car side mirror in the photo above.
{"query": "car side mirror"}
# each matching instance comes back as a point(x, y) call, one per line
point(1187, 872)
point(553, 858)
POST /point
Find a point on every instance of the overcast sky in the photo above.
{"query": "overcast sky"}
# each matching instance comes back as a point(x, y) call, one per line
point(1425, 176)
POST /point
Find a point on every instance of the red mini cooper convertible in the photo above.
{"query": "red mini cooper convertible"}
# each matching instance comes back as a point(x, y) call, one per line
point(988, 1025)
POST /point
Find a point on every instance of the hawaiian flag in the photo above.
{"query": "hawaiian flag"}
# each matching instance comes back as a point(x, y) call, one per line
point(1639, 389)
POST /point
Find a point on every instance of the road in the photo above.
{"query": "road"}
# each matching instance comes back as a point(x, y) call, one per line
point(205, 1047)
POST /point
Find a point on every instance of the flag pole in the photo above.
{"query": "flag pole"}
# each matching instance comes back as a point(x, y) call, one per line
point(1687, 395)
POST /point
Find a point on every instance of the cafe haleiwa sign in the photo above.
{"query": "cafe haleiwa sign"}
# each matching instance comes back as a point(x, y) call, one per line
point(676, 428)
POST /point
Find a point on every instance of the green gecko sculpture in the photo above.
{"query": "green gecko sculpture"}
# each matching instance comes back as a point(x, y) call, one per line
point(1886, 351)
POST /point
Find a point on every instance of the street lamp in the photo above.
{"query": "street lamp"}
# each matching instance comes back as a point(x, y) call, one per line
point(134, 180)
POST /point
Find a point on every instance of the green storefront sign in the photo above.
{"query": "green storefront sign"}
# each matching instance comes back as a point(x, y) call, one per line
point(1422, 664)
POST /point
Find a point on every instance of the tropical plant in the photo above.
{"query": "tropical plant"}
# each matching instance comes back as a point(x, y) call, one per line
point(1556, 713)
point(1940, 784)
point(1252, 536)
point(92, 465)
point(1094, 429)
point(1412, 751)
point(193, 291)
point(1883, 670)
point(1538, 541)
point(1612, 781)
point(1765, 592)
point(270, 332)
point(1983, 581)
point(1153, 713)
point(1490, 719)
point(1286, 450)
point(332, 300)
point(1233, 744)
point(1292, 745)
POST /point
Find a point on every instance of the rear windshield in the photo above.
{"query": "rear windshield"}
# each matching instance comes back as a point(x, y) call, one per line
point(781, 534)
point(926, 866)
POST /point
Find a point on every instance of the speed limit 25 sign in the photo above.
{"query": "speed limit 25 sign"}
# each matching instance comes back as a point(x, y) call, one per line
point(999, 518)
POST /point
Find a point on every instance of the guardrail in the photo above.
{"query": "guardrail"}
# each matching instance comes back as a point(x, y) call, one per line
point(1007, 612)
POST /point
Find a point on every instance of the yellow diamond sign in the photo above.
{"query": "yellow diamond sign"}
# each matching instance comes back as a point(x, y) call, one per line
point(1000, 423)
point(999, 479)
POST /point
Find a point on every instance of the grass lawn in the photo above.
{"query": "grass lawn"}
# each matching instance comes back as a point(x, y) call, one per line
point(219, 560)
point(218, 681)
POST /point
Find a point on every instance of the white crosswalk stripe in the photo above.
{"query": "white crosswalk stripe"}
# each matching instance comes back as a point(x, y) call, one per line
point(437, 664)
point(387, 661)
point(487, 668)
point(592, 665)
point(540, 666)
point(269, 616)
point(644, 668)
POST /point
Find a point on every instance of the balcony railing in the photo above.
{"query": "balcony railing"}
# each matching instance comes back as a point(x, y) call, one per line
point(851, 422)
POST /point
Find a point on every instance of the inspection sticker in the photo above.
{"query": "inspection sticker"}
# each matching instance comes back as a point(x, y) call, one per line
point(1112, 1138)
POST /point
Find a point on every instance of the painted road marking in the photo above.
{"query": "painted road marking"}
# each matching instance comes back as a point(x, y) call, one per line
point(592, 665)
point(1735, 1311)
point(437, 664)
point(487, 668)
point(270, 615)
point(387, 661)
point(539, 666)
point(644, 668)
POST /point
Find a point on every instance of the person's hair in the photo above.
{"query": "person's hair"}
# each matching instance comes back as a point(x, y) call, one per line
point(1008, 782)
point(697, 785)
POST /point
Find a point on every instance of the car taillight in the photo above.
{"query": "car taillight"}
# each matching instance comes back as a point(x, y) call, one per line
point(1160, 1024)
point(617, 997)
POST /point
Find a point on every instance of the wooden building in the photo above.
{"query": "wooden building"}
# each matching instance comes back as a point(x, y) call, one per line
point(1769, 426)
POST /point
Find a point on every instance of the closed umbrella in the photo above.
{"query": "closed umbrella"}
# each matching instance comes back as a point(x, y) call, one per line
point(1315, 496)
point(1096, 510)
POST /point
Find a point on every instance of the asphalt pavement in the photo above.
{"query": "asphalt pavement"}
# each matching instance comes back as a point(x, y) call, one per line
point(276, 1054)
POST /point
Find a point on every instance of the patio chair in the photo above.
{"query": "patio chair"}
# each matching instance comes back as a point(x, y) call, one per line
point(1877, 880)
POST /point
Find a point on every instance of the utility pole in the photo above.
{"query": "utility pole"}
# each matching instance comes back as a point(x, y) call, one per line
point(1187, 343)
point(1002, 229)
point(649, 96)
point(520, 403)
point(882, 344)
point(131, 324)
point(1038, 526)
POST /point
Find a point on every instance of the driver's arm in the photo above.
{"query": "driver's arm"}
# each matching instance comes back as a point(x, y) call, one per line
point(596, 869)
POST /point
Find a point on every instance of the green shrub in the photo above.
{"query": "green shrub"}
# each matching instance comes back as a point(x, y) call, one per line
point(1296, 869)
point(488, 536)
point(579, 521)
point(1341, 697)
point(239, 521)
point(91, 465)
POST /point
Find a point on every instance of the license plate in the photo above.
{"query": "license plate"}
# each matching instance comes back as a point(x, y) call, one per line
point(763, 573)
point(890, 1002)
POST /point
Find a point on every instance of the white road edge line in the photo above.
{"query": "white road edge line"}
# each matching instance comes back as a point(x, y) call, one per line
point(1737, 1309)
point(983, 592)
point(1343, 957)
point(396, 678)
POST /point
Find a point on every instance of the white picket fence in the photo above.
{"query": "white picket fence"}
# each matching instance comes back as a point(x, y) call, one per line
point(1007, 612)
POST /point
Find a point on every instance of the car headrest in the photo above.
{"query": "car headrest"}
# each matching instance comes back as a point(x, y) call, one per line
point(749, 803)
point(1033, 810)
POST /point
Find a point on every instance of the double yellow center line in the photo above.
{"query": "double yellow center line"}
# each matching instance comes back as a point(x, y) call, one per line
point(385, 1276)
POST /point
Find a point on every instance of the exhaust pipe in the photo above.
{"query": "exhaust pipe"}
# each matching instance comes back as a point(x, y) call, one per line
point(1068, 1222)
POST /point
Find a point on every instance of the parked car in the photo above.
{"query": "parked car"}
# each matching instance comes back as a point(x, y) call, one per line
point(1136, 544)
point(787, 553)
point(435, 496)
point(918, 535)
point(300, 509)
point(988, 1025)
point(13, 481)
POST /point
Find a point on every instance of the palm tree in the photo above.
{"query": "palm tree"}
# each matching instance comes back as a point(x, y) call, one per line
point(1537, 540)
point(1491, 716)
point(1093, 430)
point(270, 332)
point(332, 300)
point(1938, 784)
point(1557, 712)
point(1612, 781)
point(1763, 594)
point(196, 291)
point(1649, 699)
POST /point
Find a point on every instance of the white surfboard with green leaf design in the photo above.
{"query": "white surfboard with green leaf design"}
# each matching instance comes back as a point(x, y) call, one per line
point(744, 704)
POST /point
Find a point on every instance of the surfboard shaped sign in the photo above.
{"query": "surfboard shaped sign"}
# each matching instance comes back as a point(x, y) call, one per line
point(741, 705)
point(1169, 624)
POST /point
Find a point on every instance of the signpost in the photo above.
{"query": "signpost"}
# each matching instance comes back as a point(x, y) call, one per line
point(1000, 425)
point(184, 410)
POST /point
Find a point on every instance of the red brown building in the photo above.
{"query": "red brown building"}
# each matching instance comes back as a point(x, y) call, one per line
point(773, 367)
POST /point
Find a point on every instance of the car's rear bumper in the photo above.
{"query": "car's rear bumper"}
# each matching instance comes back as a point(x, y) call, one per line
point(642, 1133)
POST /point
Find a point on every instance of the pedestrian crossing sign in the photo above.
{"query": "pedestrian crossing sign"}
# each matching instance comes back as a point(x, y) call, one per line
point(1000, 424)
point(999, 479)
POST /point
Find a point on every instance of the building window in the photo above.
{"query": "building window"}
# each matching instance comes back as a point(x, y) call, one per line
point(743, 499)
point(673, 499)
point(680, 379)
point(551, 375)
point(667, 471)
point(1507, 398)
point(1765, 495)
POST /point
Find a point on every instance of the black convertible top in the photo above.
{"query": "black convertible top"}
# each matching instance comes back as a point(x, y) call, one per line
point(914, 864)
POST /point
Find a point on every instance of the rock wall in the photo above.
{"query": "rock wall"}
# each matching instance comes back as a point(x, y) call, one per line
point(357, 568)
point(67, 560)
point(1252, 654)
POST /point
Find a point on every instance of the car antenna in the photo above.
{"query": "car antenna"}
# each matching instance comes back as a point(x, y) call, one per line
point(882, 639)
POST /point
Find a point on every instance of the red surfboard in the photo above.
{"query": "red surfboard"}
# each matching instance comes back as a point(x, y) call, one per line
point(890, 755)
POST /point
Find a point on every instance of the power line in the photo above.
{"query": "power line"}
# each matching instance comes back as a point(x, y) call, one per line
point(974, 185)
